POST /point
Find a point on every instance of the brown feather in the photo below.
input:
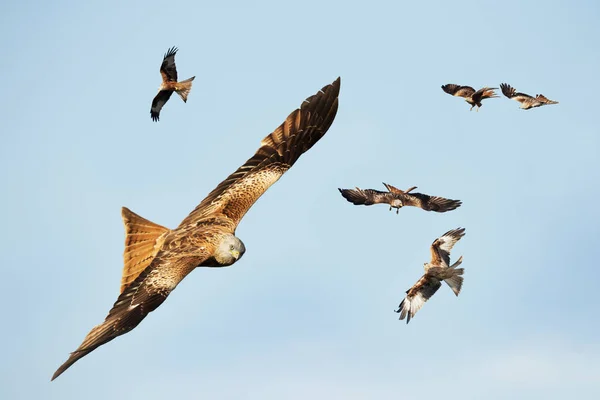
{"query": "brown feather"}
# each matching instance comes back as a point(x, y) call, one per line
point(458, 90)
point(168, 70)
point(143, 239)
point(278, 152)
point(417, 295)
point(366, 197)
point(527, 101)
point(148, 291)
point(170, 255)
point(440, 248)
point(394, 196)
point(393, 189)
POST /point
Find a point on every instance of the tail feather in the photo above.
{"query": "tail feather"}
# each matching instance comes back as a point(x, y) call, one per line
point(544, 99)
point(455, 282)
point(183, 88)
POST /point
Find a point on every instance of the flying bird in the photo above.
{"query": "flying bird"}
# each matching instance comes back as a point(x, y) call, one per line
point(436, 271)
point(471, 96)
point(156, 258)
point(397, 199)
point(526, 100)
point(169, 84)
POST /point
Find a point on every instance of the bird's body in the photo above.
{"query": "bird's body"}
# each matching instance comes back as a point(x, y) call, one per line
point(471, 96)
point(527, 101)
point(156, 258)
point(169, 84)
point(397, 199)
point(436, 271)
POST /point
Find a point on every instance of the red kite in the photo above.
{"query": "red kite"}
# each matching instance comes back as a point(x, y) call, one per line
point(169, 84)
point(471, 96)
point(436, 271)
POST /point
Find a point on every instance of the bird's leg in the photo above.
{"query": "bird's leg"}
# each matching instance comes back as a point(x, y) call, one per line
point(390, 207)
point(397, 210)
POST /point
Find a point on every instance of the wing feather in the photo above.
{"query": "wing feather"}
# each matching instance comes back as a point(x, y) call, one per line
point(440, 248)
point(148, 291)
point(167, 68)
point(428, 203)
point(511, 93)
point(417, 295)
point(278, 152)
point(366, 197)
point(458, 90)
point(159, 101)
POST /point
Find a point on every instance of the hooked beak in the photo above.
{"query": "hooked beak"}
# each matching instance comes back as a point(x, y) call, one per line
point(235, 254)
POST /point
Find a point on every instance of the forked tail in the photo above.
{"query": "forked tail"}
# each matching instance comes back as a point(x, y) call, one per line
point(183, 88)
point(455, 282)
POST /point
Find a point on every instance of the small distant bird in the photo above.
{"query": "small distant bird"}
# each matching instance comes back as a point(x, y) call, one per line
point(157, 259)
point(436, 271)
point(526, 100)
point(471, 96)
point(169, 84)
point(397, 199)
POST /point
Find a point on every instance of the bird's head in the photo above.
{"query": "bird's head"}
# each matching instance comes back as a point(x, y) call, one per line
point(396, 203)
point(229, 250)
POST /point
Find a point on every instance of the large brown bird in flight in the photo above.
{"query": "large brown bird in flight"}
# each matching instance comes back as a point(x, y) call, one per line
point(169, 84)
point(471, 96)
point(436, 271)
point(157, 258)
point(526, 100)
point(397, 199)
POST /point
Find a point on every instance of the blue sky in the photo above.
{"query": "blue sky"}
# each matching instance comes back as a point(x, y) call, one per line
point(307, 312)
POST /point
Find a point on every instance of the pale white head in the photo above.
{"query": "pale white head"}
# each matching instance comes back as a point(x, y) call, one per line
point(396, 203)
point(229, 250)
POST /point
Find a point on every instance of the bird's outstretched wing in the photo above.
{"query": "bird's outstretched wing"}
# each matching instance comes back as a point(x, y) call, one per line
point(159, 101)
point(148, 291)
point(167, 68)
point(428, 203)
point(511, 93)
point(440, 248)
point(234, 196)
point(458, 90)
point(366, 197)
point(417, 295)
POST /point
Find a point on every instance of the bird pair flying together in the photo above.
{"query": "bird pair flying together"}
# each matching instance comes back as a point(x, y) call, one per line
point(439, 268)
point(474, 98)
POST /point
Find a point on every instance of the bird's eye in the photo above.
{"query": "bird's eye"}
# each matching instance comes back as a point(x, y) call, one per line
point(231, 247)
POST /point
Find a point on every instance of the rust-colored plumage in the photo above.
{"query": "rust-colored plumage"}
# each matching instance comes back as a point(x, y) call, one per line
point(168, 71)
point(527, 101)
point(156, 258)
point(436, 271)
point(471, 96)
point(397, 199)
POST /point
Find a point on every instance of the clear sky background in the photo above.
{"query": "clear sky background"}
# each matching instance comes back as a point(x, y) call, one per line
point(307, 313)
